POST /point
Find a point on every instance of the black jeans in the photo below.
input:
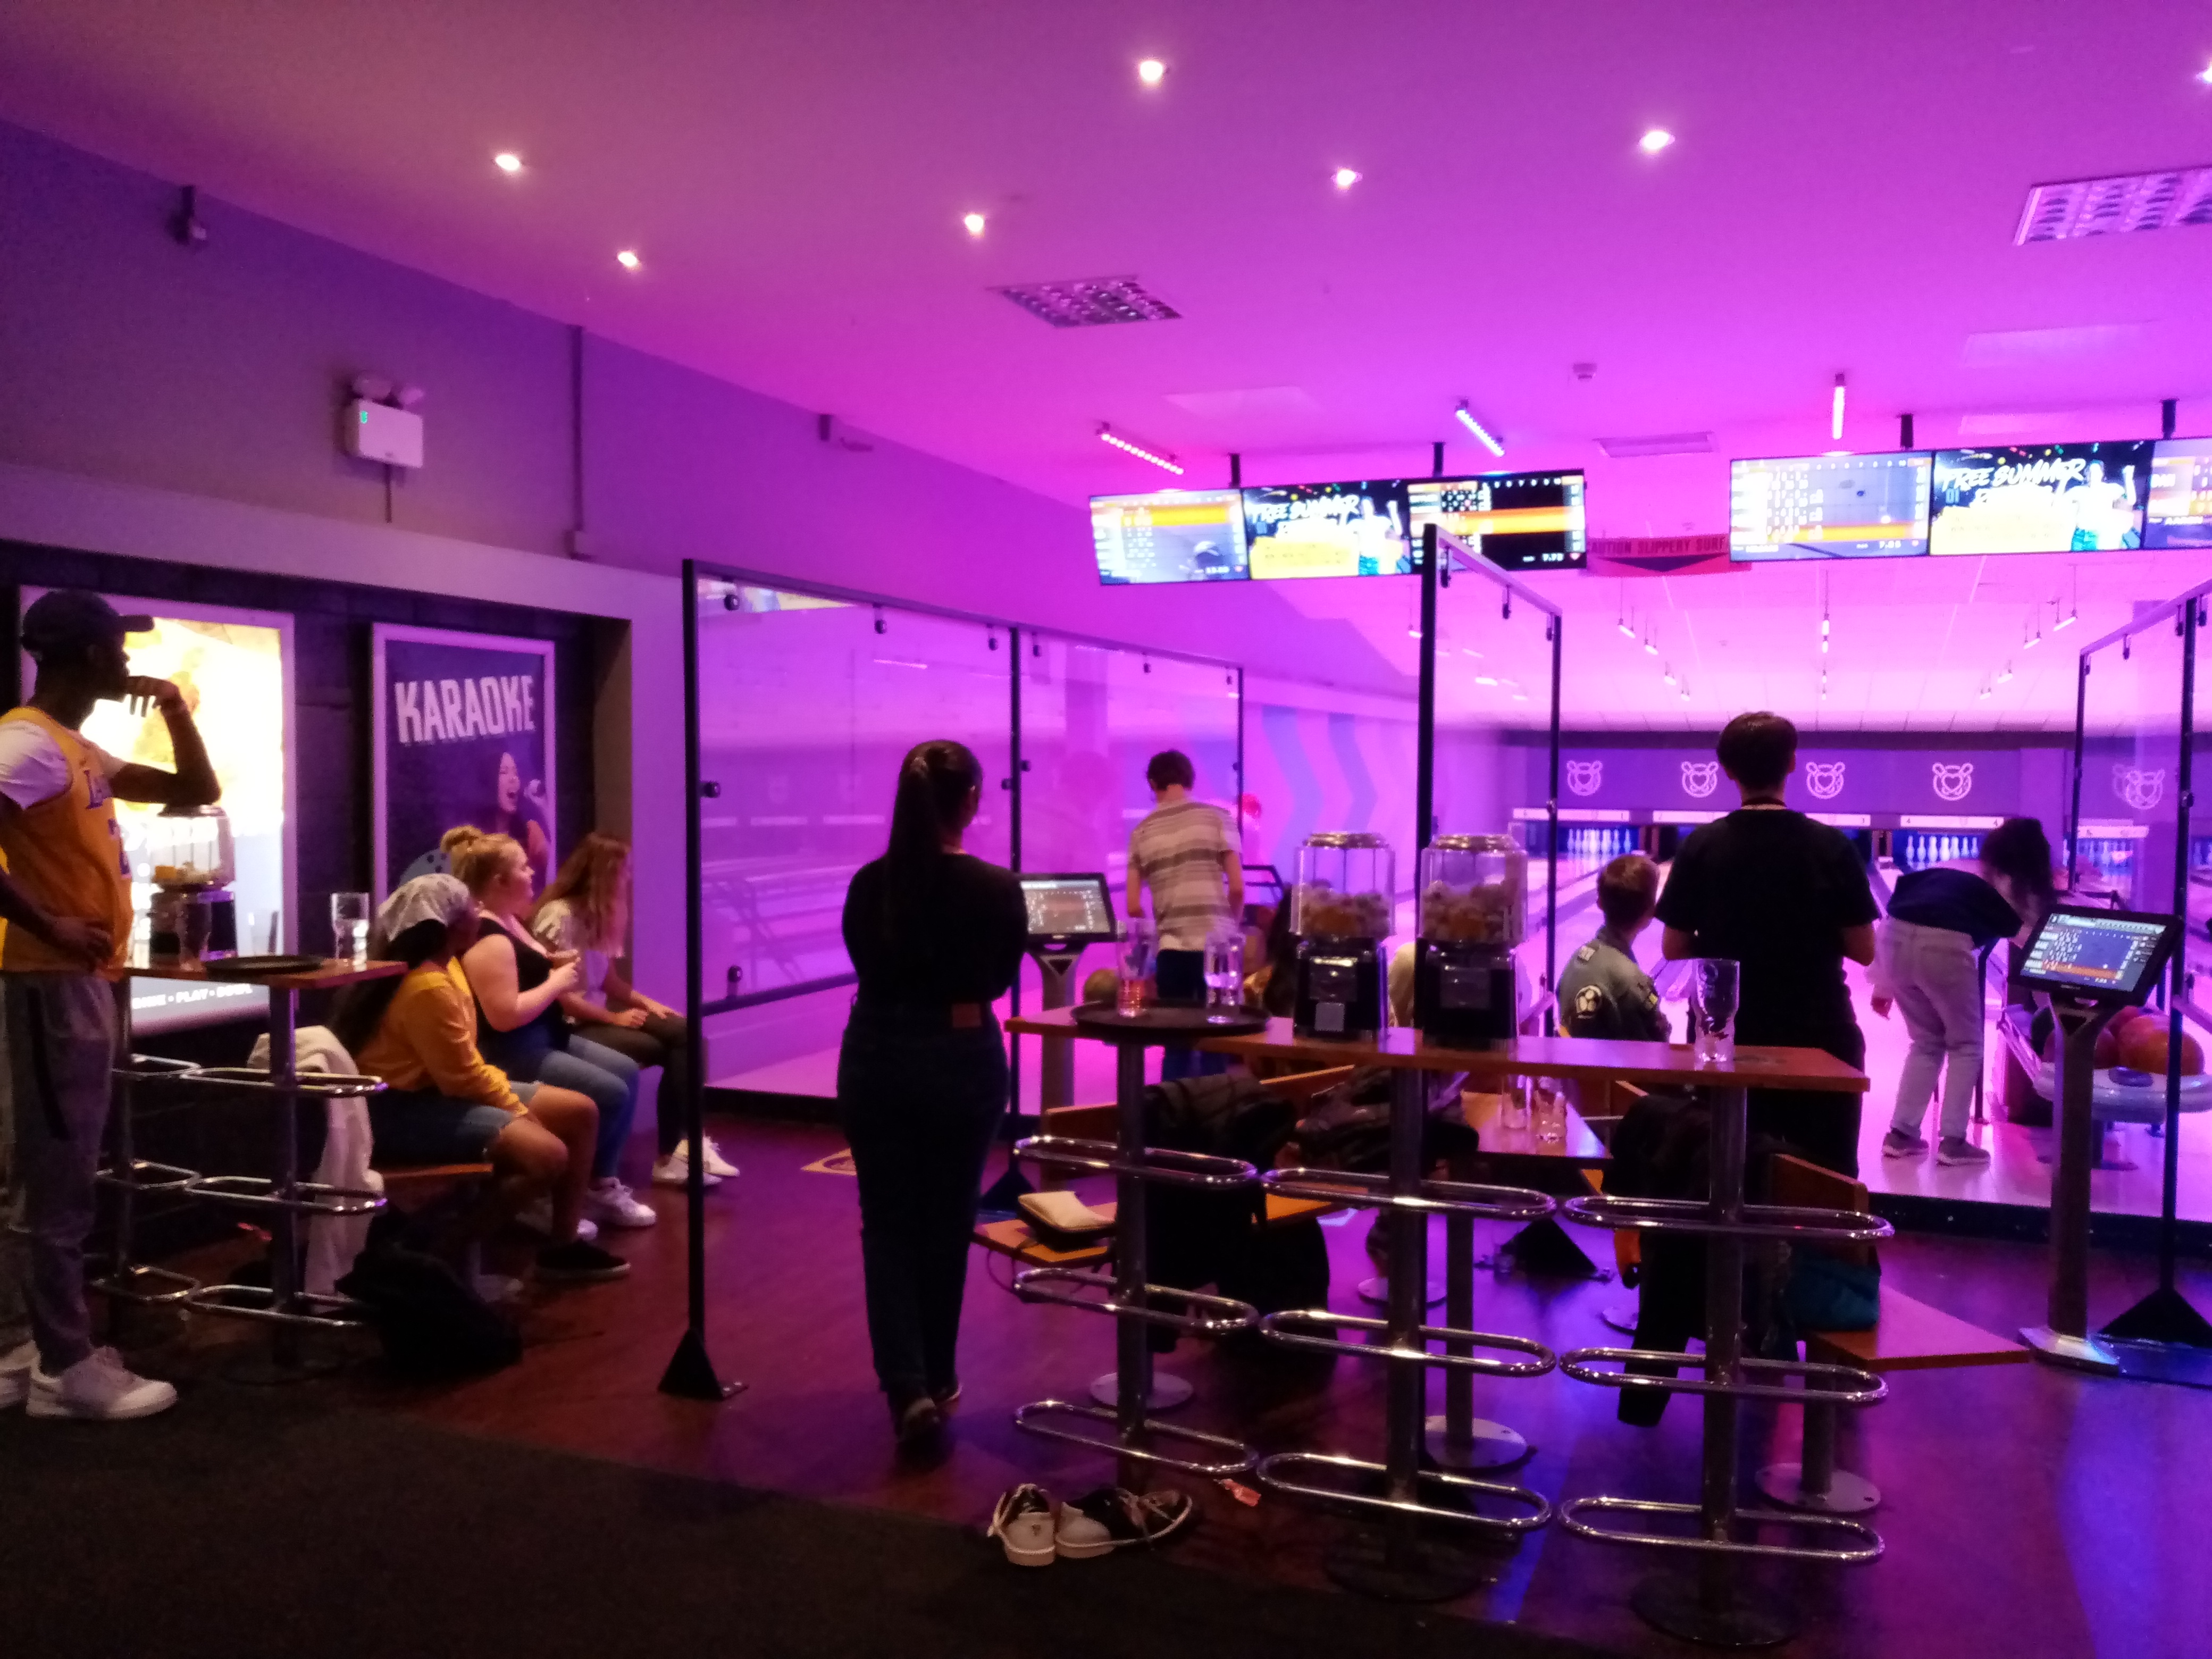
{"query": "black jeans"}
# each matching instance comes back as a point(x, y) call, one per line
point(662, 1040)
point(1823, 1127)
point(920, 1104)
point(1180, 976)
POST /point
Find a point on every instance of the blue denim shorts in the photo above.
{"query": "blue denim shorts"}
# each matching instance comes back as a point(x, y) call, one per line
point(413, 1126)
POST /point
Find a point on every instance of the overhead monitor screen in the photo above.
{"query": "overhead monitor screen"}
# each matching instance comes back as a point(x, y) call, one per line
point(1071, 907)
point(1519, 520)
point(2109, 953)
point(2180, 494)
point(1328, 530)
point(1829, 507)
point(2040, 498)
point(1175, 535)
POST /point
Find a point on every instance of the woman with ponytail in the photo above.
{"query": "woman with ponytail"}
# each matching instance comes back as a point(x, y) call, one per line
point(935, 936)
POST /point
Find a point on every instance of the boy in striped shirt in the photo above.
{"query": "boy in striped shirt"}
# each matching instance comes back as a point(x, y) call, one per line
point(1183, 853)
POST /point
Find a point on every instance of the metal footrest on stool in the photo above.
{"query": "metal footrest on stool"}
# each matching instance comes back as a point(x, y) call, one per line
point(323, 1313)
point(1690, 1215)
point(1283, 1327)
point(1275, 1475)
point(1159, 1165)
point(148, 1176)
point(260, 1193)
point(1372, 1192)
point(149, 1287)
point(305, 1084)
point(1035, 1285)
point(1572, 1509)
point(1840, 1385)
point(1238, 1458)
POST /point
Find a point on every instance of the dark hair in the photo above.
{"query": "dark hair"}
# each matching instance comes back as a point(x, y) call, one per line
point(362, 1008)
point(1758, 750)
point(937, 783)
point(2018, 850)
point(1628, 890)
point(1168, 767)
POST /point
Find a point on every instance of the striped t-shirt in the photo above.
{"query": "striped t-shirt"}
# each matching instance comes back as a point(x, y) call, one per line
point(1180, 852)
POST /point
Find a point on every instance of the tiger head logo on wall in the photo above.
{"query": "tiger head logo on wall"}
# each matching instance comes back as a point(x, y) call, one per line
point(1824, 780)
point(1701, 778)
point(1585, 777)
point(1952, 782)
point(2140, 789)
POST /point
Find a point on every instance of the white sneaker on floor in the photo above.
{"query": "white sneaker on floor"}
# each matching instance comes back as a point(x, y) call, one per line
point(97, 1389)
point(717, 1165)
point(537, 1217)
point(611, 1203)
point(675, 1170)
point(15, 1374)
point(1023, 1523)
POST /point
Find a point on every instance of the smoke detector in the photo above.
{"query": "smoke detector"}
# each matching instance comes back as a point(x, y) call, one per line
point(1089, 301)
point(2106, 207)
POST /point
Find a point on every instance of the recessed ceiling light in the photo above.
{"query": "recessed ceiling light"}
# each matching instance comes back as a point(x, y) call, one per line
point(628, 259)
point(1654, 140)
point(1344, 178)
point(1152, 71)
point(974, 222)
point(507, 161)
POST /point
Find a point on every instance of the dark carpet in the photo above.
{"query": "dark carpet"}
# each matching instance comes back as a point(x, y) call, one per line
point(249, 1522)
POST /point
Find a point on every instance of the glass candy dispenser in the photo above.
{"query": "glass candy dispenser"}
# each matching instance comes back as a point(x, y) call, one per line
point(1475, 901)
point(1340, 910)
point(193, 865)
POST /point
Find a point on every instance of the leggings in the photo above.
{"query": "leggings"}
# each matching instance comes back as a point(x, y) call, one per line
point(662, 1040)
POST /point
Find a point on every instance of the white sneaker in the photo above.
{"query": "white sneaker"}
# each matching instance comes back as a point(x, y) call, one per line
point(15, 1374)
point(537, 1217)
point(611, 1203)
point(97, 1389)
point(717, 1165)
point(1023, 1523)
point(675, 1170)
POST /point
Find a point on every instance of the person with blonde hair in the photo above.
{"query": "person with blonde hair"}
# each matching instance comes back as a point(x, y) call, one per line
point(442, 1103)
point(519, 1025)
point(586, 910)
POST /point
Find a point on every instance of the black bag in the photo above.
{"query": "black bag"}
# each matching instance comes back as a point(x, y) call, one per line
point(431, 1324)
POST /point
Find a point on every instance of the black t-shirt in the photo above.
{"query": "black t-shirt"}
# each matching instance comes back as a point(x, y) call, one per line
point(532, 968)
point(1774, 891)
point(1958, 901)
point(962, 943)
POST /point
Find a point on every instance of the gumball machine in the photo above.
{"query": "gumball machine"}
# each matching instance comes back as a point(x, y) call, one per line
point(194, 863)
point(1340, 912)
point(1475, 905)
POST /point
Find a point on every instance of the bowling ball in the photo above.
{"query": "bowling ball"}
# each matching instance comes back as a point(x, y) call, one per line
point(2142, 1048)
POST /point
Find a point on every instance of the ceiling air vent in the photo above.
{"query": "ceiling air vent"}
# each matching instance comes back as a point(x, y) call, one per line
point(2106, 207)
point(1658, 443)
point(1093, 300)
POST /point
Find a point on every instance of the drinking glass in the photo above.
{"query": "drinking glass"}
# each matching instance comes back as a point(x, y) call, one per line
point(1134, 963)
point(195, 921)
point(1515, 1113)
point(1550, 1113)
point(1713, 983)
point(1224, 972)
point(349, 913)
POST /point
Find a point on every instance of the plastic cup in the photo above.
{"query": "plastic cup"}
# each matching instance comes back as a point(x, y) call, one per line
point(349, 913)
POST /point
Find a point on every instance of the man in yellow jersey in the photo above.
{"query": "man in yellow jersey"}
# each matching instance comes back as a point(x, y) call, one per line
point(66, 899)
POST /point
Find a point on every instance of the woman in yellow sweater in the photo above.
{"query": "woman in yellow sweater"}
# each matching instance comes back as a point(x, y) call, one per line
point(442, 1103)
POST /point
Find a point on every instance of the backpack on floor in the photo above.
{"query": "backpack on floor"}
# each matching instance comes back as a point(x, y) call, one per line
point(431, 1324)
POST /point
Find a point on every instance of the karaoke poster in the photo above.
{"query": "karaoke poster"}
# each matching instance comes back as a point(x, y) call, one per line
point(2040, 498)
point(464, 734)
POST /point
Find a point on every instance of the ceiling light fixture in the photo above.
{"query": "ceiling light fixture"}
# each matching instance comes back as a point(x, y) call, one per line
point(2074, 615)
point(974, 223)
point(1824, 636)
point(2006, 675)
point(1836, 412)
point(507, 161)
point(1344, 178)
point(1650, 646)
point(2067, 621)
point(1466, 419)
point(1654, 140)
point(1471, 652)
point(1152, 71)
point(1166, 464)
point(2205, 75)
point(1667, 674)
point(628, 259)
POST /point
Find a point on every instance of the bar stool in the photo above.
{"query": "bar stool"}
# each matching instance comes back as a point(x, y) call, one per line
point(129, 1178)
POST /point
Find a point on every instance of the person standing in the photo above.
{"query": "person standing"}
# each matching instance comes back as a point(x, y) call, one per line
point(66, 899)
point(1929, 966)
point(1183, 854)
point(935, 936)
point(1786, 898)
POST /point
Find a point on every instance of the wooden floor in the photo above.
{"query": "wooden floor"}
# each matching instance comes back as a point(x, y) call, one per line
point(2027, 1512)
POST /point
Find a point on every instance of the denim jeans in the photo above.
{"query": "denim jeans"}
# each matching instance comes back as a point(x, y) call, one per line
point(920, 1103)
point(1935, 977)
point(1180, 976)
point(590, 1068)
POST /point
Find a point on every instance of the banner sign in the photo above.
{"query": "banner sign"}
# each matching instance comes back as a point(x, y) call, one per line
point(464, 734)
point(1830, 781)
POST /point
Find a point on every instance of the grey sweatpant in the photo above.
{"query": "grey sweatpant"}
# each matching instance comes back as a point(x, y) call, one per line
point(60, 1033)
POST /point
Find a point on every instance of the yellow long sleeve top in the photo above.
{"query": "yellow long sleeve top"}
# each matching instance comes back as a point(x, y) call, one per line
point(428, 1040)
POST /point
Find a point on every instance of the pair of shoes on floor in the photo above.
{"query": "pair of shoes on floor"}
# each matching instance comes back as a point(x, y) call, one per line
point(1097, 1523)
point(537, 1217)
point(580, 1262)
point(1961, 1152)
point(610, 1203)
point(1902, 1143)
point(97, 1389)
point(675, 1170)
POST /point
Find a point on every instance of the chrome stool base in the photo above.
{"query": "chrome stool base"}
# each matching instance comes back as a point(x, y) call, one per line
point(1377, 1291)
point(1680, 1605)
point(1273, 1474)
point(1397, 1564)
point(1167, 1392)
point(1847, 1493)
point(1487, 1445)
point(1238, 1458)
point(146, 1287)
point(1869, 1549)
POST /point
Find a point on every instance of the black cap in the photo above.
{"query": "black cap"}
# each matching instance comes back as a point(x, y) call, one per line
point(70, 619)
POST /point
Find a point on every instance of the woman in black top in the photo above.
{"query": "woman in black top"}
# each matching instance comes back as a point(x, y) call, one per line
point(1928, 967)
point(936, 937)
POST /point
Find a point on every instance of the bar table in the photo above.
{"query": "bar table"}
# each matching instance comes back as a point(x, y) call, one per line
point(282, 1198)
